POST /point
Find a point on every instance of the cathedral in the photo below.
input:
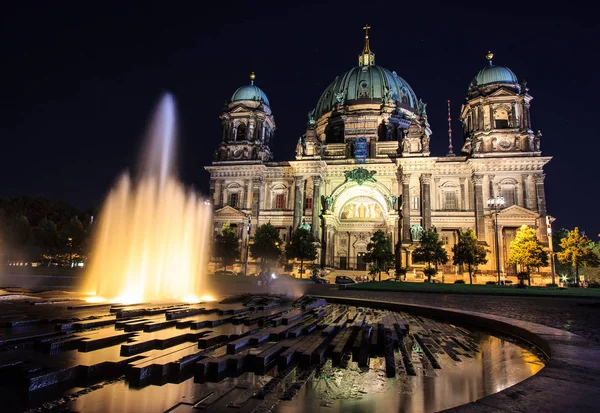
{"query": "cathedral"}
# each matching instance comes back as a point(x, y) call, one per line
point(364, 165)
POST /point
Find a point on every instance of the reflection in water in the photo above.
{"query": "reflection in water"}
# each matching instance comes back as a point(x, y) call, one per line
point(498, 365)
point(152, 242)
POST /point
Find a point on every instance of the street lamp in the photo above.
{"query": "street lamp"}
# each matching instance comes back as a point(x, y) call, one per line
point(497, 203)
point(248, 244)
point(549, 221)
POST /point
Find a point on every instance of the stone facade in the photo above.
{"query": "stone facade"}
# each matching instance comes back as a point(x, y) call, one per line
point(364, 164)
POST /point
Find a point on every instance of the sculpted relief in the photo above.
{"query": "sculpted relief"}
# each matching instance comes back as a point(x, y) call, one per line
point(362, 208)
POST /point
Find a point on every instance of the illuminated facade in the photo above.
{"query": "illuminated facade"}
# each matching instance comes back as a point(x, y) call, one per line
point(364, 164)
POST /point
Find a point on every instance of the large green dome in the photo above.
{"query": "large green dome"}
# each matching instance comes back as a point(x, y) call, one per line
point(366, 84)
point(250, 92)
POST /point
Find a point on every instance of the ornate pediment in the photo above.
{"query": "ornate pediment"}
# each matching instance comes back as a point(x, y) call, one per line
point(515, 211)
point(228, 212)
point(502, 92)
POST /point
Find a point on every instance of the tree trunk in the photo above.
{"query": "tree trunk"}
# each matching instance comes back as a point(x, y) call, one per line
point(528, 276)
point(378, 270)
point(470, 275)
point(301, 264)
point(576, 283)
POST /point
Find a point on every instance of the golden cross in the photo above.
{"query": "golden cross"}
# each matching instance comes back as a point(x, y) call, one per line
point(366, 29)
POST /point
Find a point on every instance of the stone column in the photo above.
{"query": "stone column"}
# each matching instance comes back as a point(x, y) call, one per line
point(316, 207)
point(218, 199)
point(406, 208)
point(462, 188)
point(478, 202)
point(298, 201)
point(492, 188)
point(480, 117)
point(526, 191)
point(426, 200)
point(324, 231)
point(540, 193)
point(211, 190)
point(256, 184)
point(224, 126)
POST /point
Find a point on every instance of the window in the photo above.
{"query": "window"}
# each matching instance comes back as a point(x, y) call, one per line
point(501, 119)
point(450, 200)
point(234, 199)
point(508, 193)
point(241, 132)
point(414, 202)
point(280, 201)
point(308, 203)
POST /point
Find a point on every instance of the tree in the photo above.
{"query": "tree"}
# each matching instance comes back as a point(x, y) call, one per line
point(527, 251)
point(302, 247)
point(431, 251)
point(468, 252)
point(266, 244)
point(227, 246)
point(577, 250)
point(46, 237)
point(379, 252)
point(561, 268)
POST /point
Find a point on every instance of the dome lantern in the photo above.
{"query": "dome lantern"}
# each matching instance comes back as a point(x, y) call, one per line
point(367, 57)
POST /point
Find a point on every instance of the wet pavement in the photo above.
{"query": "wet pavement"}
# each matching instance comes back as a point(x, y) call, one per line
point(577, 315)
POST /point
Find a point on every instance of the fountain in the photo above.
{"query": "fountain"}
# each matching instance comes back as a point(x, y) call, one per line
point(152, 240)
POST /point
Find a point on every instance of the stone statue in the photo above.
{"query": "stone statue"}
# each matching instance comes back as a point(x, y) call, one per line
point(327, 201)
point(246, 153)
point(360, 176)
point(387, 95)
point(304, 225)
point(425, 142)
point(468, 146)
point(416, 233)
point(478, 146)
point(311, 118)
point(340, 98)
point(392, 200)
point(536, 143)
point(299, 147)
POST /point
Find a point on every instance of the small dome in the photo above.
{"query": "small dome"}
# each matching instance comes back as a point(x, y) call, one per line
point(250, 92)
point(493, 74)
point(366, 83)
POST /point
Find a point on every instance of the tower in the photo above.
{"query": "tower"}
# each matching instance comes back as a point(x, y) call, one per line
point(495, 117)
point(248, 126)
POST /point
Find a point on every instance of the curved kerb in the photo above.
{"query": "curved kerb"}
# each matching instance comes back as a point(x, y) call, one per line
point(569, 382)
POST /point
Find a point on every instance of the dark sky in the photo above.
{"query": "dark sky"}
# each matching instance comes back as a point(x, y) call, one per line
point(80, 80)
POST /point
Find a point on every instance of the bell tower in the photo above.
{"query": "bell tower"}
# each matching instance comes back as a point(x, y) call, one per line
point(496, 116)
point(248, 126)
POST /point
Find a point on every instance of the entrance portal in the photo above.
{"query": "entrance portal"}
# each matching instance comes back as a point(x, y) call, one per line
point(361, 264)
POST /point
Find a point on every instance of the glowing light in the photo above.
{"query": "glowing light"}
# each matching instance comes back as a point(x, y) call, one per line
point(207, 298)
point(152, 241)
point(95, 299)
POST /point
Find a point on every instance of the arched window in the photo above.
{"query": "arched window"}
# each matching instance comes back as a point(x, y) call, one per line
point(508, 190)
point(501, 119)
point(241, 132)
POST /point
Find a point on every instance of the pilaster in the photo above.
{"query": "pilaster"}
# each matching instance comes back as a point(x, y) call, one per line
point(478, 201)
point(426, 200)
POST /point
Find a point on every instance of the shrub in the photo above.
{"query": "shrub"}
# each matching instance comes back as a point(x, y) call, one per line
point(491, 283)
point(552, 285)
point(401, 271)
point(508, 282)
point(429, 272)
point(459, 282)
point(594, 284)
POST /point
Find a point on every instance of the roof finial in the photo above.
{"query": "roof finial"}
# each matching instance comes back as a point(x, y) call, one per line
point(252, 77)
point(489, 56)
point(367, 49)
point(367, 57)
point(450, 153)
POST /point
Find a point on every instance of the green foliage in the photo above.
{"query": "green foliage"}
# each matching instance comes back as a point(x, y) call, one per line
point(459, 282)
point(468, 252)
point(302, 247)
point(227, 246)
point(266, 246)
point(491, 283)
point(578, 251)
point(527, 251)
point(431, 251)
point(379, 252)
point(561, 268)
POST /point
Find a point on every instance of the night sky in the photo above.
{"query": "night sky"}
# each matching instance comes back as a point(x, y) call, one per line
point(80, 81)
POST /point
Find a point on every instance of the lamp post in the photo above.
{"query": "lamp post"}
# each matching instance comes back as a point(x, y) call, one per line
point(549, 221)
point(248, 245)
point(497, 203)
